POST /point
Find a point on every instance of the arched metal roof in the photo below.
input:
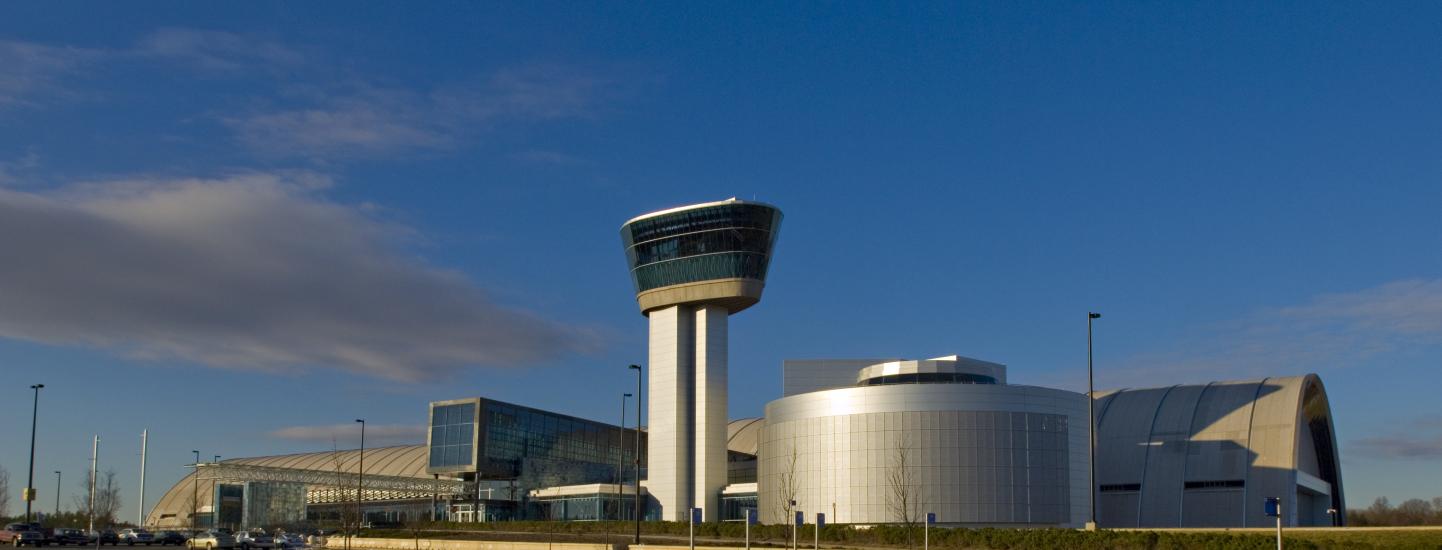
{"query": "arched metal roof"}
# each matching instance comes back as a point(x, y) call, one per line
point(1207, 455)
point(400, 461)
point(744, 435)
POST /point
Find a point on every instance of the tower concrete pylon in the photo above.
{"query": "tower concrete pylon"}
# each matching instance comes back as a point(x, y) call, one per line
point(693, 267)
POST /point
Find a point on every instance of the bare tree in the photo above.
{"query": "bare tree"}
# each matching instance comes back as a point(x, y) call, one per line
point(789, 486)
point(904, 498)
point(4, 492)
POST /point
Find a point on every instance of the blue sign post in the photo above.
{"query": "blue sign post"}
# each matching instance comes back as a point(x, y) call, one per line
point(816, 534)
point(695, 518)
point(750, 520)
point(1273, 509)
point(796, 525)
point(926, 531)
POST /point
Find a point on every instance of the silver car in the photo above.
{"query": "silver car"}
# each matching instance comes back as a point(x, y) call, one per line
point(255, 538)
point(212, 540)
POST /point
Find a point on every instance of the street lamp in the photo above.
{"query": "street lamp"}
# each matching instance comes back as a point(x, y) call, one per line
point(621, 456)
point(30, 482)
point(360, 477)
point(1091, 426)
point(636, 458)
point(57, 493)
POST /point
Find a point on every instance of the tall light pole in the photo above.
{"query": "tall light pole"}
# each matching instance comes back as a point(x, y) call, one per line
point(144, 445)
point(195, 495)
point(30, 482)
point(94, 465)
point(360, 477)
point(57, 492)
point(1091, 425)
point(636, 457)
point(621, 456)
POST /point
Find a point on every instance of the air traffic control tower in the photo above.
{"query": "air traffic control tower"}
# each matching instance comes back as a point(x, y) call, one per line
point(693, 266)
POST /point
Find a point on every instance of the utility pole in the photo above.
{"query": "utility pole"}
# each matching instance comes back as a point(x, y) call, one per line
point(57, 492)
point(144, 441)
point(1091, 428)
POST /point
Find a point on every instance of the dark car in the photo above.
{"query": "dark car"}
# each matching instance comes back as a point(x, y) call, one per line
point(104, 536)
point(164, 538)
point(70, 537)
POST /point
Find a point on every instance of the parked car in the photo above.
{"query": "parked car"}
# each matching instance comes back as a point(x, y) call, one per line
point(132, 537)
point(165, 538)
point(20, 534)
point(254, 538)
point(212, 540)
point(103, 536)
point(289, 540)
point(70, 537)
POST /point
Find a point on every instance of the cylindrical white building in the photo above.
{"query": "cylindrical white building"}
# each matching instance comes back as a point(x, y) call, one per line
point(945, 436)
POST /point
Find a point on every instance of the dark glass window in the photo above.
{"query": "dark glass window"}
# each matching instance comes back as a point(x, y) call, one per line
point(1120, 487)
point(929, 378)
point(452, 427)
point(514, 436)
point(718, 242)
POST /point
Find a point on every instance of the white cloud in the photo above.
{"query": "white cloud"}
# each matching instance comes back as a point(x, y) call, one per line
point(377, 434)
point(253, 271)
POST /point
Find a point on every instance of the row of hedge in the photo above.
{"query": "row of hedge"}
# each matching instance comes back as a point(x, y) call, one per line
point(953, 539)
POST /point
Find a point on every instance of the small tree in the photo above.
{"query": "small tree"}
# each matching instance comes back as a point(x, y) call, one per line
point(789, 486)
point(904, 499)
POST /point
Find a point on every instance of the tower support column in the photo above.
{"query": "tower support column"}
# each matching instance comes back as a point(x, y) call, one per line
point(711, 417)
point(670, 430)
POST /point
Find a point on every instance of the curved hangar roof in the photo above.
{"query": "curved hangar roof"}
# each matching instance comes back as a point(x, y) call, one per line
point(1208, 455)
point(402, 461)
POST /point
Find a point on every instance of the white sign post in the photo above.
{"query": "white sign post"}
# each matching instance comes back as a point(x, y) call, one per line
point(926, 531)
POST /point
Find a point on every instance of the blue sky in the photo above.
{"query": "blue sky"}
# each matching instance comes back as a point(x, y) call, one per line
point(243, 226)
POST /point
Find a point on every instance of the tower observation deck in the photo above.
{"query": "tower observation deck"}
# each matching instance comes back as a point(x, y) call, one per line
point(692, 267)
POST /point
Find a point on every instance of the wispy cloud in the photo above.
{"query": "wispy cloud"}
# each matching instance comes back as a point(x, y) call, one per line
point(375, 123)
point(1329, 330)
point(218, 50)
point(254, 271)
point(28, 70)
point(14, 171)
point(1422, 439)
point(361, 119)
point(378, 434)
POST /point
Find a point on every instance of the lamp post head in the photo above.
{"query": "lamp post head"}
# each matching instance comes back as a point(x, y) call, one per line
point(625, 395)
point(637, 367)
point(1094, 315)
point(362, 421)
point(37, 386)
